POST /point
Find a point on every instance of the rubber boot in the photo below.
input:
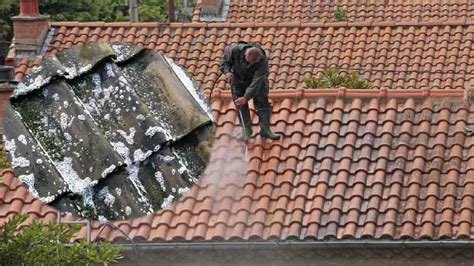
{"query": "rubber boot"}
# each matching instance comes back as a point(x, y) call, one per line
point(264, 122)
point(246, 124)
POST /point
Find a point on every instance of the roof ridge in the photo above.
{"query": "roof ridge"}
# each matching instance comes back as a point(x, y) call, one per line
point(250, 24)
point(354, 93)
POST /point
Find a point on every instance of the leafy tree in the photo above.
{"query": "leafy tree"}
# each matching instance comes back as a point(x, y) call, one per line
point(85, 10)
point(153, 10)
point(7, 8)
point(49, 244)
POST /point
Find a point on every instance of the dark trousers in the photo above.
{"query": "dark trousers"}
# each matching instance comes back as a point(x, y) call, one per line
point(261, 97)
point(260, 101)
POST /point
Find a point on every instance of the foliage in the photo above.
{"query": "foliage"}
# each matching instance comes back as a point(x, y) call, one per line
point(7, 8)
point(333, 78)
point(340, 14)
point(153, 10)
point(48, 244)
point(104, 10)
point(4, 162)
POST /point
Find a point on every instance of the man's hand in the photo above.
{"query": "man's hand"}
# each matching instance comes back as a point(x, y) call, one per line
point(240, 101)
point(228, 77)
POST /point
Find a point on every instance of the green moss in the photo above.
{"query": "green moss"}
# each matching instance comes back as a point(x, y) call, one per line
point(333, 78)
point(204, 151)
point(4, 163)
point(32, 120)
point(340, 14)
point(211, 137)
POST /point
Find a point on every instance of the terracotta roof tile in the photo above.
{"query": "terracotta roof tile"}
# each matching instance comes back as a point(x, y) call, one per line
point(302, 10)
point(393, 57)
point(353, 168)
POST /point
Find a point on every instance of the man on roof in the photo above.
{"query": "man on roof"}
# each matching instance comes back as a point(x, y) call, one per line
point(245, 65)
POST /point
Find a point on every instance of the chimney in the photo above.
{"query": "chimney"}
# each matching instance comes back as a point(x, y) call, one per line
point(29, 29)
point(7, 85)
point(211, 7)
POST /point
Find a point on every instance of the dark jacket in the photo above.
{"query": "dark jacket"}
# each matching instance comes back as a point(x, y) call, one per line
point(250, 77)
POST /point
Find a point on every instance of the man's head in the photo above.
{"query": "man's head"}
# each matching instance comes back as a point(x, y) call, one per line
point(253, 55)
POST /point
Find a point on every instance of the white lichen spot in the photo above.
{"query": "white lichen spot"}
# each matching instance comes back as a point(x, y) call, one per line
point(128, 137)
point(161, 180)
point(102, 219)
point(118, 191)
point(182, 190)
point(85, 68)
point(66, 104)
point(39, 161)
point(16, 162)
point(105, 195)
point(182, 169)
point(29, 181)
point(110, 70)
point(107, 116)
point(151, 131)
point(37, 83)
point(22, 139)
point(56, 97)
point(122, 150)
point(109, 170)
point(81, 117)
point(166, 158)
point(67, 136)
point(139, 155)
point(173, 171)
point(77, 185)
point(167, 201)
point(132, 170)
point(141, 117)
point(48, 199)
point(64, 121)
point(128, 211)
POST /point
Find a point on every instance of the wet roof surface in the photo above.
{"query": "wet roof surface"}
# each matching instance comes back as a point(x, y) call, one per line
point(107, 131)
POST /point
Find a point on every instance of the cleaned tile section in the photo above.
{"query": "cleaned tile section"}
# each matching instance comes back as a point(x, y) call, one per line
point(409, 55)
point(346, 169)
point(371, 10)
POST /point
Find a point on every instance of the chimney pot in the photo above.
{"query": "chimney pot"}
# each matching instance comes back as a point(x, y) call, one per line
point(29, 8)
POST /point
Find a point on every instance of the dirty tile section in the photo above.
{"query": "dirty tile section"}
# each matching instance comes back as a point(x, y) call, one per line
point(371, 10)
point(408, 55)
point(124, 106)
point(348, 168)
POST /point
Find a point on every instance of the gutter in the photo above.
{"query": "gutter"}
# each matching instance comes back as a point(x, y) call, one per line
point(233, 245)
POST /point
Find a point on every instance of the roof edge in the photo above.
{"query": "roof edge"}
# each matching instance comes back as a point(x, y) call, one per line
point(336, 243)
point(355, 93)
point(429, 23)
